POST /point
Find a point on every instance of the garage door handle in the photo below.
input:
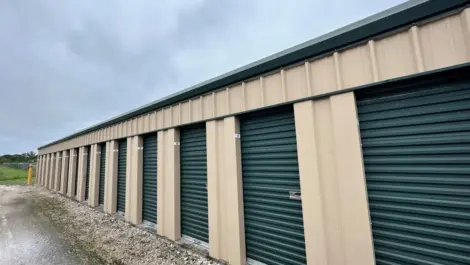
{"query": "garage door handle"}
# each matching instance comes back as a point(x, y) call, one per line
point(295, 195)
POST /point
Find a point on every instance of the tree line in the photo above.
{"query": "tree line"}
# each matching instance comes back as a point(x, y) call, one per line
point(19, 158)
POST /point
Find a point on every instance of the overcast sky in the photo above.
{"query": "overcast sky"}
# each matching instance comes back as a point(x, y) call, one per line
point(66, 65)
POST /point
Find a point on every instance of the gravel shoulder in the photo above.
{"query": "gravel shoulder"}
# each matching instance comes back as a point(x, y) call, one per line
point(110, 239)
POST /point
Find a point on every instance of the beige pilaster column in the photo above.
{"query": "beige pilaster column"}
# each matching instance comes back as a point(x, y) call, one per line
point(50, 184)
point(225, 194)
point(82, 158)
point(47, 170)
point(334, 199)
point(134, 180)
point(58, 167)
point(72, 172)
point(64, 171)
point(43, 169)
point(110, 190)
point(129, 169)
point(168, 188)
point(95, 160)
point(38, 169)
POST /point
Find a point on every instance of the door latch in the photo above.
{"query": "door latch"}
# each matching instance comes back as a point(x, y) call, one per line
point(295, 195)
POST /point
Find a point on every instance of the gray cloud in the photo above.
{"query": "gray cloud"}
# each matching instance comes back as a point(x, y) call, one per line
point(66, 65)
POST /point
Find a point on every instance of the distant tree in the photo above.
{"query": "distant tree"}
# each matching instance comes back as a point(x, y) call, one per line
point(19, 158)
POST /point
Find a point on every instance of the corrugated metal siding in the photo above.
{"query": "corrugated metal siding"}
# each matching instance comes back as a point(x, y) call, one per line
point(416, 147)
point(121, 185)
point(273, 222)
point(102, 172)
point(59, 172)
point(194, 209)
point(149, 176)
point(76, 172)
point(87, 176)
point(68, 154)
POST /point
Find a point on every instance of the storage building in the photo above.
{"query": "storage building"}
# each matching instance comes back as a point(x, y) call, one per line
point(352, 148)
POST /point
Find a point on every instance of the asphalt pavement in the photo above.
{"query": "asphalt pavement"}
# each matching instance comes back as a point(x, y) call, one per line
point(28, 237)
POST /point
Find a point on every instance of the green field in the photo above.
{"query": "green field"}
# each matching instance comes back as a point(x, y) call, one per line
point(13, 176)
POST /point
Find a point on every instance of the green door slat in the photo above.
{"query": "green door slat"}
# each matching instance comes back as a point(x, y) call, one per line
point(274, 228)
point(149, 178)
point(76, 173)
point(121, 175)
point(102, 173)
point(416, 150)
point(193, 155)
point(87, 175)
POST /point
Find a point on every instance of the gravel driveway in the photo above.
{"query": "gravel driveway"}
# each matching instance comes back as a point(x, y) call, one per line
point(110, 239)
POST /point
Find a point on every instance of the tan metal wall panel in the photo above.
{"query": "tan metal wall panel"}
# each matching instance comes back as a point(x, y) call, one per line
point(168, 178)
point(253, 94)
point(125, 128)
point(167, 119)
point(73, 156)
point(82, 158)
point(443, 43)
point(208, 106)
point(146, 123)
point(65, 170)
point(110, 185)
point(116, 131)
point(46, 170)
point(355, 67)
point(272, 93)
point(395, 56)
point(322, 75)
point(133, 211)
point(58, 168)
point(225, 195)
point(95, 160)
point(465, 16)
point(153, 121)
point(38, 170)
point(334, 198)
point(236, 99)
point(160, 117)
point(196, 109)
point(421, 47)
point(175, 114)
point(186, 112)
point(140, 124)
point(131, 147)
point(132, 127)
point(296, 83)
point(52, 161)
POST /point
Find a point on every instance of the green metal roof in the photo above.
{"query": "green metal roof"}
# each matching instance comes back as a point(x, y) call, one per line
point(388, 20)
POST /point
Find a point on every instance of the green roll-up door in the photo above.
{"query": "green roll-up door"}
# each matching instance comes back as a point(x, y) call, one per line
point(76, 172)
point(102, 172)
point(416, 148)
point(149, 176)
point(121, 183)
point(87, 175)
point(194, 220)
point(273, 211)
